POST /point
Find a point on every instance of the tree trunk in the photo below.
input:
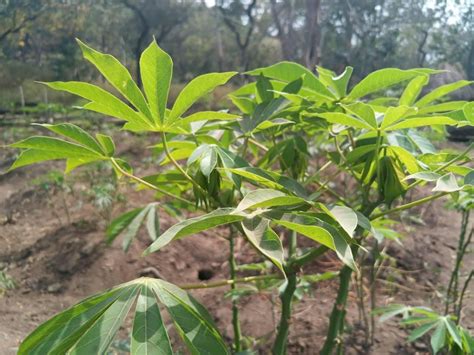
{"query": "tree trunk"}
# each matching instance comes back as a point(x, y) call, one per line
point(312, 48)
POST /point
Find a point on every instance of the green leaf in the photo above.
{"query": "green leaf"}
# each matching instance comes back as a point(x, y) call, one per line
point(90, 326)
point(149, 334)
point(289, 71)
point(323, 233)
point(107, 144)
point(206, 116)
point(379, 80)
point(194, 90)
point(265, 240)
point(447, 183)
point(394, 114)
point(97, 338)
point(341, 82)
point(263, 198)
point(132, 229)
point(363, 111)
point(56, 145)
point(420, 331)
point(118, 76)
point(102, 102)
point(424, 176)
point(422, 121)
point(270, 180)
point(441, 91)
point(264, 89)
point(438, 339)
point(346, 217)
point(75, 133)
point(68, 325)
point(192, 321)
point(120, 223)
point(413, 89)
point(344, 119)
point(469, 178)
point(152, 222)
point(208, 162)
point(156, 70)
point(443, 107)
point(453, 331)
point(193, 226)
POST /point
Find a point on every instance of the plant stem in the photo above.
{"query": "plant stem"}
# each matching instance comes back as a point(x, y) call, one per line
point(336, 320)
point(235, 308)
point(223, 283)
point(452, 291)
point(281, 340)
point(410, 205)
point(461, 297)
point(147, 184)
point(180, 169)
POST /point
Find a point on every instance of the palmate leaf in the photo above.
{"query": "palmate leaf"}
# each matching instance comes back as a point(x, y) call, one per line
point(90, 326)
point(413, 89)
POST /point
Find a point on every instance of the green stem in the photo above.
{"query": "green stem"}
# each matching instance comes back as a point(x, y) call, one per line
point(281, 340)
point(147, 184)
point(336, 320)
point(180, 169)
point(223, 283)
point(235, 308)
point(461, 297)
point(410, 205)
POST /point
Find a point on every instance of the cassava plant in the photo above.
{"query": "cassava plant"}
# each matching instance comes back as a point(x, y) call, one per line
point(302, 156)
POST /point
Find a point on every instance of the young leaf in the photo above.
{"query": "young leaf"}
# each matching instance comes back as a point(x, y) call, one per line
point(193, 226)
point(156, 70)
point(152, 222)
point(194, 90)
point(265, 240)
point(118, 76)
point(363, 111)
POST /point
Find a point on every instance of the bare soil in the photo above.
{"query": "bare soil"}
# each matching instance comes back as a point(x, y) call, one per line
point(56, 262)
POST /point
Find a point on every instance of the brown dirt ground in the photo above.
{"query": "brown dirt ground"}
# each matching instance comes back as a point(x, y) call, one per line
point(56, 263)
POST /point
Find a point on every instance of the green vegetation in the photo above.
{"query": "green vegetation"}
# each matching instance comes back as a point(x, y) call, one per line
point(257, 171)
